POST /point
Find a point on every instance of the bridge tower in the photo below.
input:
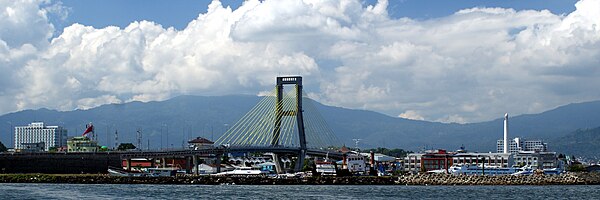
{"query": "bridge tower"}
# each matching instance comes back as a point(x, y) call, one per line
point(297, 112)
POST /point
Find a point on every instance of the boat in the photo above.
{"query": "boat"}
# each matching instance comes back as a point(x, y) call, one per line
point(480, 170)
point(325, 168)
point(120, 172)
point(243, 171)
point(149, 172)
point(157, 172)
point(551, 171)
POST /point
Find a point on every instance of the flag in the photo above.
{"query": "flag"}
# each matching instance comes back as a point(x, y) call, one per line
point(89, 128)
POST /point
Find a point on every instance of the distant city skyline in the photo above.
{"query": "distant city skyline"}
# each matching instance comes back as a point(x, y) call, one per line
point(464, 61)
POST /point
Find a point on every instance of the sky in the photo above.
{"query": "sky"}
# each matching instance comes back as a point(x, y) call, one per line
point(457, 61)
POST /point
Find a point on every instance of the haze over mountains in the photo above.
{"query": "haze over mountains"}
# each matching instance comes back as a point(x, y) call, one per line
point(170, 123)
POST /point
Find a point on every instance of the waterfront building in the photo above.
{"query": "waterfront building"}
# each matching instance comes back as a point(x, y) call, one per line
point(435, 160)
point(378, 157)
point(412, 162)
point(442, 160)
point(200, 143)
point(537, 160)
point(518, 144)
point(356, 163)
point(33, 147)
point(81, 144)
point(498, 160)
point(51, 136)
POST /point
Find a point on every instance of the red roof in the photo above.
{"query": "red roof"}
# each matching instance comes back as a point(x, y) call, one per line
point(344, 149)
point(200, 140)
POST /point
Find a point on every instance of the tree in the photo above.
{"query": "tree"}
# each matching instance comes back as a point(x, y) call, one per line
point(125, 146)
point(307, 165)
point(2, 147)
point(576, 168)
point(398, 153)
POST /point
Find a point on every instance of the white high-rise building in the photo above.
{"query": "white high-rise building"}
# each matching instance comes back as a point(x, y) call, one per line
point(505, 147)
point(36, 132)
point(517, 145)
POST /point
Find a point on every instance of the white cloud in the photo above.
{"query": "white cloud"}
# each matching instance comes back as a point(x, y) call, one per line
point(87, 103)
point(411, 114)
point(473, 65)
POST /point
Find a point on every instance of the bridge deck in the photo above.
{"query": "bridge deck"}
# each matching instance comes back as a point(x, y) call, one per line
point(213, 152)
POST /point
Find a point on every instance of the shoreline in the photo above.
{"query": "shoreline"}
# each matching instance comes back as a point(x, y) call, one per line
point(584, 178)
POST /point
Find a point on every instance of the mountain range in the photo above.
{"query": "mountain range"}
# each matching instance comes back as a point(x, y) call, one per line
point(172, 122)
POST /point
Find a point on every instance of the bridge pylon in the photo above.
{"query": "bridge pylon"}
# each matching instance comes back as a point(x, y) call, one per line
point(297, 112)
point(284, 122)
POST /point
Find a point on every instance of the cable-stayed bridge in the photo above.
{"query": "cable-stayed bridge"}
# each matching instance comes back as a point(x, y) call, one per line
point(284, 120)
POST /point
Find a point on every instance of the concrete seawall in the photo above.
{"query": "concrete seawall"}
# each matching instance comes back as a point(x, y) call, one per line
point(59, 163)
point(428, 179)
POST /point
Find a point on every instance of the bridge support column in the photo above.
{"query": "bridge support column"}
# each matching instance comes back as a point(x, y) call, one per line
point(188, 165)
point(218, 162)
point(195, 158)
point(300, 162)
point(277, 162)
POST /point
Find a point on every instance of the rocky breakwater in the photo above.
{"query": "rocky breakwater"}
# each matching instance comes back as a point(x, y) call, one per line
point(425, 179)
point(448, 179)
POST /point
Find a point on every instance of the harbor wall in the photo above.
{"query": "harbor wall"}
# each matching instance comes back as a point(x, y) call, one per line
point(438, 179)
point(59, 163)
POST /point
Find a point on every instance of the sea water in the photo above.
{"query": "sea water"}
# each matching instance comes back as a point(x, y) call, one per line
point(148, 191)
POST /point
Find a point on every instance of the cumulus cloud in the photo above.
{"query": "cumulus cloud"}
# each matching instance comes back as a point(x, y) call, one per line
point(470, 66)
point(411, 114)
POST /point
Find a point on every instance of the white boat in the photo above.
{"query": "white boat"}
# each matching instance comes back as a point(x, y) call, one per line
point(530, 171)
point(479, 170)
point(149, 172)
point(120, 172)
point(156, 172)
point(553, 171)
point(325, 168)
point(248, 171)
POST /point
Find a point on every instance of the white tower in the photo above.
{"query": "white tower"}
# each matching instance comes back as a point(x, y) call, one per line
point(506, 133)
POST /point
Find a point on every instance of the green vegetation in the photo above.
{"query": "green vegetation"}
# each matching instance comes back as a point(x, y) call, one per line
point(576, 168)
point(125, 146)
point(307, 165)
point(103, 148)
point(398, 153)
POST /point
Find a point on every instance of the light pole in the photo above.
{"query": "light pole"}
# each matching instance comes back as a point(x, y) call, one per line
point(12, 137)
point(226, 125)
point(108, 127)
point(167, 126)
point(161, 136)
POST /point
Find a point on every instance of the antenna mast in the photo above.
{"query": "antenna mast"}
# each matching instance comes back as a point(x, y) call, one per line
point(139, 138)
point(356, 141)
point(116, 139)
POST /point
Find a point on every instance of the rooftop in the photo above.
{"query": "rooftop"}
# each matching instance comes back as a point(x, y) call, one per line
point(200, 140)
